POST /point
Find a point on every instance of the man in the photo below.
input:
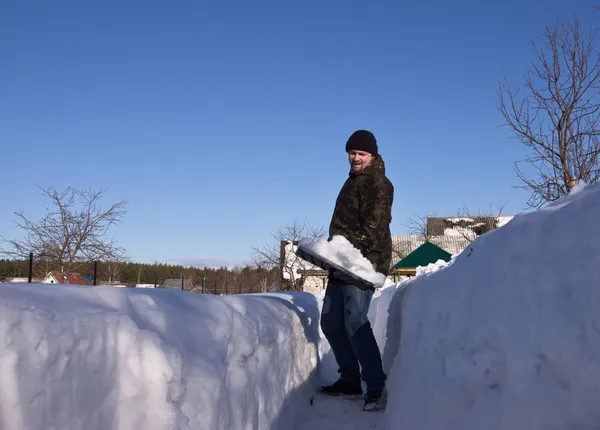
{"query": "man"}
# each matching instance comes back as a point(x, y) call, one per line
point(362, 215)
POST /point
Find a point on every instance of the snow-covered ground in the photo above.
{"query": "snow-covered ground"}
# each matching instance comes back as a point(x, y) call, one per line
point(506, 336)
point(74, 357)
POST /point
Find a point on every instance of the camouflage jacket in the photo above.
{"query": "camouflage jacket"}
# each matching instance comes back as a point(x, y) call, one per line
point(363, 213)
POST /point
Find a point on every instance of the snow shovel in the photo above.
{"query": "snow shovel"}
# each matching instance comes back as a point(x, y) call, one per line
point(337, 270)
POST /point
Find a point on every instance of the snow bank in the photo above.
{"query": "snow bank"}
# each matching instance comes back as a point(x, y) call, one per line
point(508, 335)
point(110, 358)
point(432, 267)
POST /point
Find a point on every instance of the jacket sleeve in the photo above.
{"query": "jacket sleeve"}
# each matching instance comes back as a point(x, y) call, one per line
point(375, 216)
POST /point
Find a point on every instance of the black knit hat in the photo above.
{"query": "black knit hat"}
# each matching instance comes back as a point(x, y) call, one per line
point(362, 140)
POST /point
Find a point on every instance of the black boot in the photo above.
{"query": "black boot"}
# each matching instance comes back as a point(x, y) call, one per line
point(342, 388)
point(375, 400)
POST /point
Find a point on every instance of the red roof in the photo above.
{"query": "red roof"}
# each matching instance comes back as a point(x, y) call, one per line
point(69, 278)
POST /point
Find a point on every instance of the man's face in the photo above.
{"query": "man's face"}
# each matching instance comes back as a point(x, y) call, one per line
point(359, 160)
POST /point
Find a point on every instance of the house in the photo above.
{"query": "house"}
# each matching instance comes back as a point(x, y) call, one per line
point(403, 245)
point(65, 278)
point(468, 227)
point(313, 280)
point(297, 273)
point(424, 255)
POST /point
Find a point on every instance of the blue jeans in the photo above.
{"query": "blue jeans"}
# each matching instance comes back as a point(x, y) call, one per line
point(346, 326)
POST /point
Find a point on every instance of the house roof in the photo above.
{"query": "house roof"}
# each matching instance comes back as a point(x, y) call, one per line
point(69, 278)
point(422, 256)
point(404, 245)
point(450, 243)
point(470, 226)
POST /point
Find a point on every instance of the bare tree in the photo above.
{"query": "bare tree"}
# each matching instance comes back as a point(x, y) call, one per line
point(558, 115)
point(417, 226)
point(74, 231)
point(113, 270)
point(275, 256)
point(470, 224)
point(139, 273)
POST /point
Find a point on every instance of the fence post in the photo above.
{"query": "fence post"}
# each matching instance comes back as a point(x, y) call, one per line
point(155, 283)
point(95, 271)
point(215, 287)
point(30, 267)
point(182, 282)
point(203, 285)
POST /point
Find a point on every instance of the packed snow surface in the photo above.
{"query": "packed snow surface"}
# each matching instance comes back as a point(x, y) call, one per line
point(74, 357)
point(507, 336)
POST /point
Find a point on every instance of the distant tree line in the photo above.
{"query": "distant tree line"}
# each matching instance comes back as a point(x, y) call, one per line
point(73, 233)
point(208, 280)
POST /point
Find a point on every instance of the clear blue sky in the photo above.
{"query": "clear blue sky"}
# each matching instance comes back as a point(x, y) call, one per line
point(222, 121)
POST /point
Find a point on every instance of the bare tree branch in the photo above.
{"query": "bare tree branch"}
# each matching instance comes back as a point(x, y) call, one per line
point(556, 114)
point(469, 229)
point(417, 226)
point(73, 231)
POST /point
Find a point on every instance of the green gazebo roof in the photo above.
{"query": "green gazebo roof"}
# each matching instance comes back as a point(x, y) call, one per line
point(422, 256)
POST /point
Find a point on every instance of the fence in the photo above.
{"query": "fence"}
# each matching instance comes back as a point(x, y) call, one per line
point(95, 273)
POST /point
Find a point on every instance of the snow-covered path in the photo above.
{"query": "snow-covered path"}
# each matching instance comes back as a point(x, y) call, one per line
point(340, 414)
point(505, 337)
